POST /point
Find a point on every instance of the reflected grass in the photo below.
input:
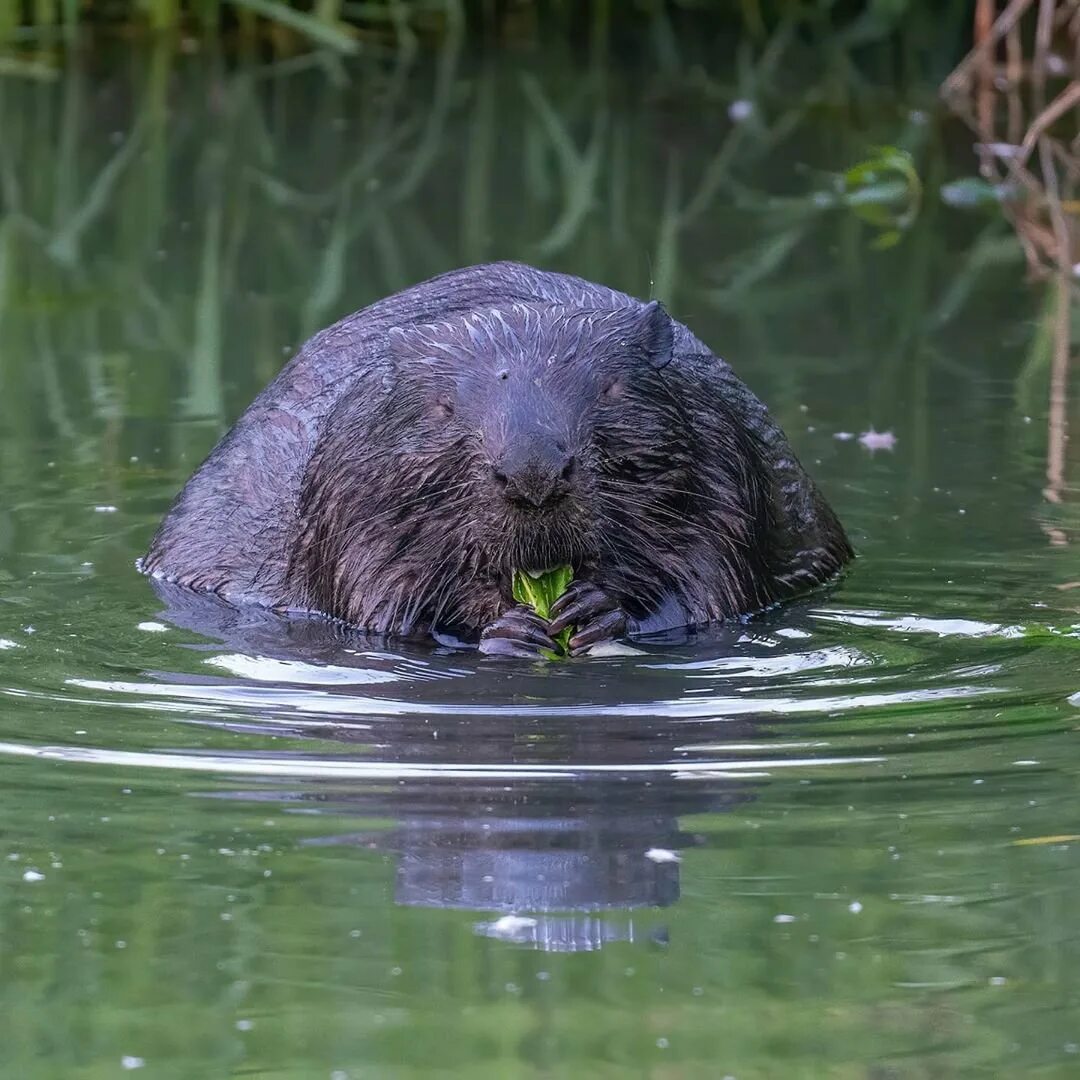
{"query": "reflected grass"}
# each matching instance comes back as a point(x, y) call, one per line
point(172, 230)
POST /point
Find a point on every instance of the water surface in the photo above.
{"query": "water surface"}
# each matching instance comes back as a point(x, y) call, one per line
point(837, 840)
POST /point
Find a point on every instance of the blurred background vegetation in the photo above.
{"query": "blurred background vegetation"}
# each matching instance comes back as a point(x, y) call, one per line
point(205, 184)
point(352, 26)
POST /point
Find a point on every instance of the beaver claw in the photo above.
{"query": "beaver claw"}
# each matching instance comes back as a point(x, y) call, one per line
point(517, 632)
point(594, 613)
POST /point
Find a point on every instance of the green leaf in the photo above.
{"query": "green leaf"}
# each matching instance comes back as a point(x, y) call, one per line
point(885, 191)
point(540, 591)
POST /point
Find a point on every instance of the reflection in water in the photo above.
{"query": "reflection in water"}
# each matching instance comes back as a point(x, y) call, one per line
point(560, 866)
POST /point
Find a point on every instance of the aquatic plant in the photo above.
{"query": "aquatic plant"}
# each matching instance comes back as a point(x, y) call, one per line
point(540, 591)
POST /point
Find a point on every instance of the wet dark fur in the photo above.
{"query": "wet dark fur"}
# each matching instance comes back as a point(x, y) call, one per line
point(361, 483)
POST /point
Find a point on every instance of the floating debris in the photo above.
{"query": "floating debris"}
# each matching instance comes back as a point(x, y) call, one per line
point(33, 875)
point(877, 440)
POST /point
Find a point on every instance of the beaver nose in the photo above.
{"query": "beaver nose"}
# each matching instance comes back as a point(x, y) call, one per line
point(534, 480)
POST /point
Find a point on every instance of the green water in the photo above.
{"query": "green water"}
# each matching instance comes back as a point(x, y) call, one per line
point(264, 855)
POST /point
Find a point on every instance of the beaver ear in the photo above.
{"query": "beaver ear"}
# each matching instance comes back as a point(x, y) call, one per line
point(657, 333)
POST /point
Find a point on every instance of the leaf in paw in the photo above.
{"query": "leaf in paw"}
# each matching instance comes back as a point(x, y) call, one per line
point(581, 603)
point(592, 612)
point(517, 632)
point(606, 626)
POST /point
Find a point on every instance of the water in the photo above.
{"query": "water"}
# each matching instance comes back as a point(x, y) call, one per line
point(840, 840)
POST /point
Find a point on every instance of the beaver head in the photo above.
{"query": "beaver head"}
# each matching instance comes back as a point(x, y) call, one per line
point(526, 437)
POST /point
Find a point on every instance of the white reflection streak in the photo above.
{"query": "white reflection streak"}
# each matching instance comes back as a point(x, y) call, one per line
point(351, 769)
point(917, 624)
point(321, 702)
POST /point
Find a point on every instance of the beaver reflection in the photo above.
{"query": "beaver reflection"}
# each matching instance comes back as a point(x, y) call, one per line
point(552, 859)
point(561, 865)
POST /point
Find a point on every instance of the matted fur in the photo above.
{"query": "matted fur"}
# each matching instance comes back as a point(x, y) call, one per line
point(364, 474)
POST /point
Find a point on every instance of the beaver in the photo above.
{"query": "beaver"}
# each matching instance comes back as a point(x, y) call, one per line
point(499, 418)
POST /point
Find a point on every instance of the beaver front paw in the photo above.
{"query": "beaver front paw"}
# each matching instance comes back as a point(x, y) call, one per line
point(517, 632)
point(594, 614)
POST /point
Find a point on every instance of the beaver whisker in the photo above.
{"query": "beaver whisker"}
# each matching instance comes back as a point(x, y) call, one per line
point(732, 542)
point(724, 502)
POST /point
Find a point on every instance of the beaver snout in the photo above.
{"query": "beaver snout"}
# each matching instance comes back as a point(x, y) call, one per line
point(536, 473)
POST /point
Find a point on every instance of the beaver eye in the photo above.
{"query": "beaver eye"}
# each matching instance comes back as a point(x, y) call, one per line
point(613, 389)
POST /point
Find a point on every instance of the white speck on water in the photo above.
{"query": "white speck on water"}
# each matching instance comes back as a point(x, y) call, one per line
point(244, 1025)
point(998, 980)
point(510, 927)
point(513, 988)
point(697, 991)
point(121, 944)
point(339, 1074)
point(1027, 761)
point(783, 918)
point(791, 632)
point(740, 110)
point(395, 971)
point(129, 1062)
point(29, 630)
point(354, 933)
point(7, 643)
point(662, 855)
point(105, 508)
point(80, 731)
point(844, 436)
point(854, 907)
point(153, 627)
point(662, 1043)
point(543, 976)
point(1071, 1048)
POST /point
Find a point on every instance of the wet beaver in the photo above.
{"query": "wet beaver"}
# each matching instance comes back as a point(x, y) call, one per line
point(412, 456)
